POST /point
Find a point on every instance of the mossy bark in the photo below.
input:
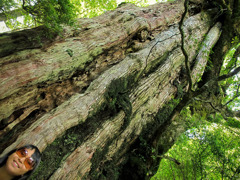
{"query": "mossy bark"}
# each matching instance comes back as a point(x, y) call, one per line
point(93, 99)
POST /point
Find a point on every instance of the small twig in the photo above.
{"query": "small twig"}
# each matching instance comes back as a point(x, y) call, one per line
point(23, 4)
point(227, 6)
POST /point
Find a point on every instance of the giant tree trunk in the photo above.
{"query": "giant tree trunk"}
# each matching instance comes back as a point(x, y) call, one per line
point(93, 99)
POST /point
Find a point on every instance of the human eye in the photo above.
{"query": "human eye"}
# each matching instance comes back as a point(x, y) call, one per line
point(24, 152)
point(21, 153)
point(30, 161)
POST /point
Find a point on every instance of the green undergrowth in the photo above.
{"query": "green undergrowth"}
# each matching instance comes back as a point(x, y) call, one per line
point(232, 122)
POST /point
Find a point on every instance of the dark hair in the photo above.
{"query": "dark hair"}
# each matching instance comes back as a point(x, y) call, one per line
point(36, 156)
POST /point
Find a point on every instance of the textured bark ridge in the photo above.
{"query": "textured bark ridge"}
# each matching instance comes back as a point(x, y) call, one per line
point(88, 99)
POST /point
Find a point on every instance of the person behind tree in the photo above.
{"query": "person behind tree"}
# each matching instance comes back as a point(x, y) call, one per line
point(19, 163)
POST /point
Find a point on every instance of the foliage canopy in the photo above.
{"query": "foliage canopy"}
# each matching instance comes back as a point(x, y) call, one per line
point(206, 152)
point(52, 13)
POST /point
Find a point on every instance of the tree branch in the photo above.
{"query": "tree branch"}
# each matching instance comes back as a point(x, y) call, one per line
point(187, 66)
point(234, 97)
point(170, 158)
point(225, 76)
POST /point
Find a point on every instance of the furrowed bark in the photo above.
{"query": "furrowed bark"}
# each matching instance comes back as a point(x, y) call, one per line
point(33, 70)
point(106, 82)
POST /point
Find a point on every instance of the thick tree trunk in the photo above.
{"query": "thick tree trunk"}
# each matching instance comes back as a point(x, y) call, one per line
point(94, 98)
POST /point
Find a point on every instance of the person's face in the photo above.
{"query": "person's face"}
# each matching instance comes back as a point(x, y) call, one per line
point(16, 164)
